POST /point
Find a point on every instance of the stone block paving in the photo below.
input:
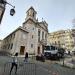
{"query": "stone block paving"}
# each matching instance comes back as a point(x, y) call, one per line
point(23, 69)
point(34, 68)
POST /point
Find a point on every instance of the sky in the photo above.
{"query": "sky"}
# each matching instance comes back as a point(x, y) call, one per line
point(57, 13)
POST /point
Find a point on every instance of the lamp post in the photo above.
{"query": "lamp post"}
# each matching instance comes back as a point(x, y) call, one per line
point(64, 55)
point(2, 9)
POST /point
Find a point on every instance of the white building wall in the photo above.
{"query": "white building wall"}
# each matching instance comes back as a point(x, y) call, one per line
point(15, 43)
point(32, 32)
point(20, 40)
point(42, 38)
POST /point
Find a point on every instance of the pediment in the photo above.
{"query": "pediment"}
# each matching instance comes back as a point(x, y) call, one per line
point(29, 21)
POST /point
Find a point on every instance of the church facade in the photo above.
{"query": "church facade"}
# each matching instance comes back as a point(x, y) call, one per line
point(31, 37)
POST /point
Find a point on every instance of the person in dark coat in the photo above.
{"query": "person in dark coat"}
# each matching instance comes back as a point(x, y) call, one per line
point(26, 57)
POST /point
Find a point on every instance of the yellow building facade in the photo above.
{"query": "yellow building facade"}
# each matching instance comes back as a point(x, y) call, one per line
point(63, 39)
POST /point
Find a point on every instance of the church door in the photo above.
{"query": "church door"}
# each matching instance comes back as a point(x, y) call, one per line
point(38, 51)
point(22, 49)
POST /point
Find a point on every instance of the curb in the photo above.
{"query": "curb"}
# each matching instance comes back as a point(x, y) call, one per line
point(68, 65)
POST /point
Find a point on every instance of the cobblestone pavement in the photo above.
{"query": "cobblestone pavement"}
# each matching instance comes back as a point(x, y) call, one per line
point(55, 69)
point(38, 68)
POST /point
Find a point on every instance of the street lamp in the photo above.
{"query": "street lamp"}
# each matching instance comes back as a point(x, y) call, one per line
point(12, 12)
point(2, 9)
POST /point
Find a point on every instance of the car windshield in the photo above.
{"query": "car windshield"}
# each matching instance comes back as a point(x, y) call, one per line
point(49, 48)
point(52, 48)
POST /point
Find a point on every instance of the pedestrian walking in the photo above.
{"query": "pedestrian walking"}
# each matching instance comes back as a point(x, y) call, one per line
point(14, 64)
point(26, 57)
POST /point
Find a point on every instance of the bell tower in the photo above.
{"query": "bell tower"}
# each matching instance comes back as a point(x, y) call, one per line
point(31, 13)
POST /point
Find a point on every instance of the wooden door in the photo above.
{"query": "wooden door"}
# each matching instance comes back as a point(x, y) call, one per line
point(22, 49)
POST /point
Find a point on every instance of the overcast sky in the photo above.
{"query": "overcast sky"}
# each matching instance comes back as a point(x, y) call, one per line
point(57, 13)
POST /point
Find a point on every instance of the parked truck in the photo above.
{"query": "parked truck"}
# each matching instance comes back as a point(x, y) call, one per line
point(53, 52)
